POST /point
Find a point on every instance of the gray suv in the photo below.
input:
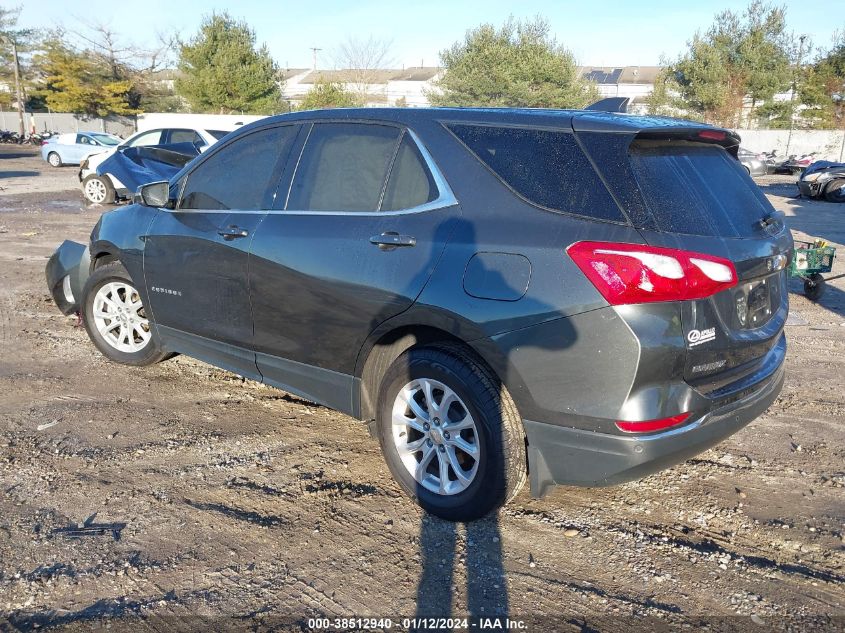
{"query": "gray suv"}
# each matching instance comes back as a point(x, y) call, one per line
point(565, 297)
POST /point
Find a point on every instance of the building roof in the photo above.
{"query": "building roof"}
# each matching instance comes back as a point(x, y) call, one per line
point(375, 76)
point(287, 73)
point(620, 74)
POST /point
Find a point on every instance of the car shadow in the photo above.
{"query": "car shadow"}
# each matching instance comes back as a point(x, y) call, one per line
point(814, 219)
point(17, 174)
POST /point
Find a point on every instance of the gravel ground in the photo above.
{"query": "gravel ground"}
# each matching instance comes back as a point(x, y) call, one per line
point(241, 506)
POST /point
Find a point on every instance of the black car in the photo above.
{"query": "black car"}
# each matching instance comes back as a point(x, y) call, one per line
point(583, 296)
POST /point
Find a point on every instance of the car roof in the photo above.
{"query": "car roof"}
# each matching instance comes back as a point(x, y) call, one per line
point(585, 120)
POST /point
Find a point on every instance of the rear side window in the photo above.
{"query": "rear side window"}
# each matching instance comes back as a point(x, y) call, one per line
point(186, 136)
point(410, 184)
point(343, 167)
point(240, 175)
point(696, 188)
point(545, 167)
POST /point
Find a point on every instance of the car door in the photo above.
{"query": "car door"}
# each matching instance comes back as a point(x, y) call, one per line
point(195, 257)
point(366, 218)
point(81, 148)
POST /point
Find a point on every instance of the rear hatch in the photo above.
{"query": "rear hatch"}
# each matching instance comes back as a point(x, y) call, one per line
point(684, 189)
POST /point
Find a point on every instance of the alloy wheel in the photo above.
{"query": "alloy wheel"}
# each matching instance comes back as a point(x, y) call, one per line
point(95, 190)
point(120, 318)
point(435, 436)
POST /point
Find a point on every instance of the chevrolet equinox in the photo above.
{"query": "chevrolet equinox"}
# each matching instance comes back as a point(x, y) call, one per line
point(565, 297)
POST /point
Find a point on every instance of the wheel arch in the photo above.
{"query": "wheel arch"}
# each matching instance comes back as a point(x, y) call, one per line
point(387, 343)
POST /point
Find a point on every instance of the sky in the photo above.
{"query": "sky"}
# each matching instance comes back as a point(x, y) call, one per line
point(601, 33)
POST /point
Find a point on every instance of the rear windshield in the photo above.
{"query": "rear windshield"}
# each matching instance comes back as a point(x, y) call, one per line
point(697, 189)
point(218, 134)
point(545, 167)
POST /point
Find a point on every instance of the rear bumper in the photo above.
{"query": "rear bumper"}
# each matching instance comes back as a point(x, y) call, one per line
point(66, 272)
point(561, 455)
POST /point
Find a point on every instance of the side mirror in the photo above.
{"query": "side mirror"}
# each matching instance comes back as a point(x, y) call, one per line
point(154, 194)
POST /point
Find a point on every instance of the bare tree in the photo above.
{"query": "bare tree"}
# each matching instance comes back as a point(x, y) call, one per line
point(121, 56)
point(15, 39)
point(362, 60)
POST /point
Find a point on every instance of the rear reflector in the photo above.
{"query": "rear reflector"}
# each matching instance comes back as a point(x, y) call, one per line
point(636, 273)
point(648, 426)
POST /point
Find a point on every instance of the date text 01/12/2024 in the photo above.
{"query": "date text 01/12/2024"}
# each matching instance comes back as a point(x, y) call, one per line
point(415, 624)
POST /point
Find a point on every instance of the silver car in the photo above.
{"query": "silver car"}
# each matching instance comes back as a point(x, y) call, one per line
point(754, 165)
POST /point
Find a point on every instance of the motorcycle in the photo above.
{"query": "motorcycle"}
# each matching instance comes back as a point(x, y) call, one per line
point(795, 164)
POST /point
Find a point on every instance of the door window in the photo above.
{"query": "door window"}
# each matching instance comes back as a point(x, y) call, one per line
point(343, 167)
point(410, 183)
point(186, 136)
point(241, 174)
point(152, 137)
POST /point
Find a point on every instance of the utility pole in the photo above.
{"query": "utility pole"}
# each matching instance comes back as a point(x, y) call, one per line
point(792, 94)
point(18, 90)
point(314, 50)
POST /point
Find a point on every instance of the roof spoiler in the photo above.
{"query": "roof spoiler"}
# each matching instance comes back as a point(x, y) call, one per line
point(610, 104)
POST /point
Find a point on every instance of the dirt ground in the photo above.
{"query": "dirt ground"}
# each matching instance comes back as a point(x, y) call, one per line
point(245, 507)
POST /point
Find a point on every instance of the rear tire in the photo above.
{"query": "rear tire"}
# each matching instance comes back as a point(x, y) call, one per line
point(834, 191)
point(98, 189)
point(479, 433)
point(814, 287)
point(116, 320)
point(54, 159)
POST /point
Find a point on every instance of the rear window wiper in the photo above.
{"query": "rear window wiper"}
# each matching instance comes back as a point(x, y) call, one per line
point(770, 219)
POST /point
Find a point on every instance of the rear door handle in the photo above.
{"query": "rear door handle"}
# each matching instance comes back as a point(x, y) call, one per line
point(389, 240)
point(232, 232)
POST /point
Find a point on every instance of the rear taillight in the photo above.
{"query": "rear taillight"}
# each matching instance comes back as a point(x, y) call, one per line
point(649, 426)
point(635, 273)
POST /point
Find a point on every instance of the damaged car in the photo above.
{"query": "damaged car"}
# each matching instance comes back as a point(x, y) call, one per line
point(502, 296)
point(104, 186)
point(823, 180)
point(120, 175)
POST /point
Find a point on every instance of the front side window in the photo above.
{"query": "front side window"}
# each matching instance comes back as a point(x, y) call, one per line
point(81, 139)
point(343, 167)
point(147, 138)
point(241, 174)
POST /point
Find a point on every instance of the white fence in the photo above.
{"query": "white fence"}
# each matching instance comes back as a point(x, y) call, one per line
point(121, 125)
point(827, 144)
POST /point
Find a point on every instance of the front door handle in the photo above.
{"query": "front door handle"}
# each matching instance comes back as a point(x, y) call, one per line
point(232, 232)
point(389, 240)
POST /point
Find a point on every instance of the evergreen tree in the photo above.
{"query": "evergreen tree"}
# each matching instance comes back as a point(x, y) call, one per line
point(222, 70)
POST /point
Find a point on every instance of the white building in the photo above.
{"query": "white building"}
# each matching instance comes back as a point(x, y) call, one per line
point(383, 87)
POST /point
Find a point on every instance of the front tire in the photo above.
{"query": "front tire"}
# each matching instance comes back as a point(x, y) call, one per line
point(814, 287)
point(450, 433)
point(54, 159)
point(98, 189)
point(116, 320)
point(835, 191)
